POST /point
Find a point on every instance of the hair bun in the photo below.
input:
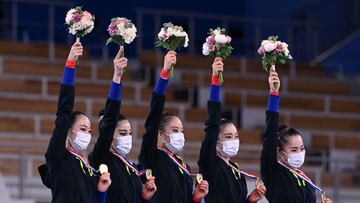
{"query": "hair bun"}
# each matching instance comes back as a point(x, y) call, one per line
point(281, 128)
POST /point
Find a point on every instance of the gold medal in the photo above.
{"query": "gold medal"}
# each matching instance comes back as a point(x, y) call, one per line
point(258, 182)
point(323, 197)
point(148, 174)
point(103, 169)
point(199, 178)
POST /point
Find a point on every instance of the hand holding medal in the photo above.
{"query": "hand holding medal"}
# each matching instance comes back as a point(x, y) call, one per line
point(259, 191)
point(104, 180)
point(149, 187)
point(202, 188)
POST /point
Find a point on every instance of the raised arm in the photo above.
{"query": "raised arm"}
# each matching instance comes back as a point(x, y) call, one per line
point(212, 126)
point(108, 122)
point(149, 143)
point(268, 153)
point(56, 149)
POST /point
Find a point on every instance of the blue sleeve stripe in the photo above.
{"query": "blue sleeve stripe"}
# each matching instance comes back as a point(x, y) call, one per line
point(273, 103)
point(115, 91)
point(214, 94)
point(161, 86)
point(68, 76)
point(101, 197)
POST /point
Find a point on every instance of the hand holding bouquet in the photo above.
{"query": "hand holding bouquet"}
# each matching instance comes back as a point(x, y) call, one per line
point(171, 38)
point(218, 45)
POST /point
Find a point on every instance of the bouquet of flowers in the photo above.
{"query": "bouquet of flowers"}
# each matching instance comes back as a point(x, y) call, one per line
point(121, 31)
point(218, 45)
point(171, 38)
point(79, 22)
point(273, 51)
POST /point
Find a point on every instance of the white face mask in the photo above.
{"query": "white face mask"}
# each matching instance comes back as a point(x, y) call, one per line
point(177, 141)
point(230, 148)
point(81, 141)
point(296, 159)
point(123, 145)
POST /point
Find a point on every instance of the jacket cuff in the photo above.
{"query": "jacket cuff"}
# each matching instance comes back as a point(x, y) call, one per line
point(164, 74)
point(101, 196)
point(70, 63)
point(215, 80)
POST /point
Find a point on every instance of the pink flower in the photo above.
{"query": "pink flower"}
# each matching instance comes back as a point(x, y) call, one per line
point(112, 28)
point(211, 40)
point(228, 39)
point(76, 17)
point(279, 47)
point(87, 15)
point(120, 20)
point(261, 50)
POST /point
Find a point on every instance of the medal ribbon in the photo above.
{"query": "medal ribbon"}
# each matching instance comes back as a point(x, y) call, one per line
point(128, 164)
point(302, 175)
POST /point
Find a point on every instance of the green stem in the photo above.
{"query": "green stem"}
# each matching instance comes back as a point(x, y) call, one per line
point(172, 71)
point(276, 85)
point(123, 55)
point(221, 78)
point(77, 40)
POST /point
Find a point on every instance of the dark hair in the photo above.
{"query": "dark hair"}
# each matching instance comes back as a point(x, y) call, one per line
point(74, 116)
point(224, 122)
point(120, 117)
point(283, 133)
point(165, 118)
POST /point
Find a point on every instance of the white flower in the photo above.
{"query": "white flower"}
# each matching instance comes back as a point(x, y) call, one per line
point(221, 39)
point(186, 40)
point(178, 33)
point(130, 34)
point(170, 32)
point(264, 42)
point(205, 49)
point(269, 46)
point(216, 32)
point(69, 16)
